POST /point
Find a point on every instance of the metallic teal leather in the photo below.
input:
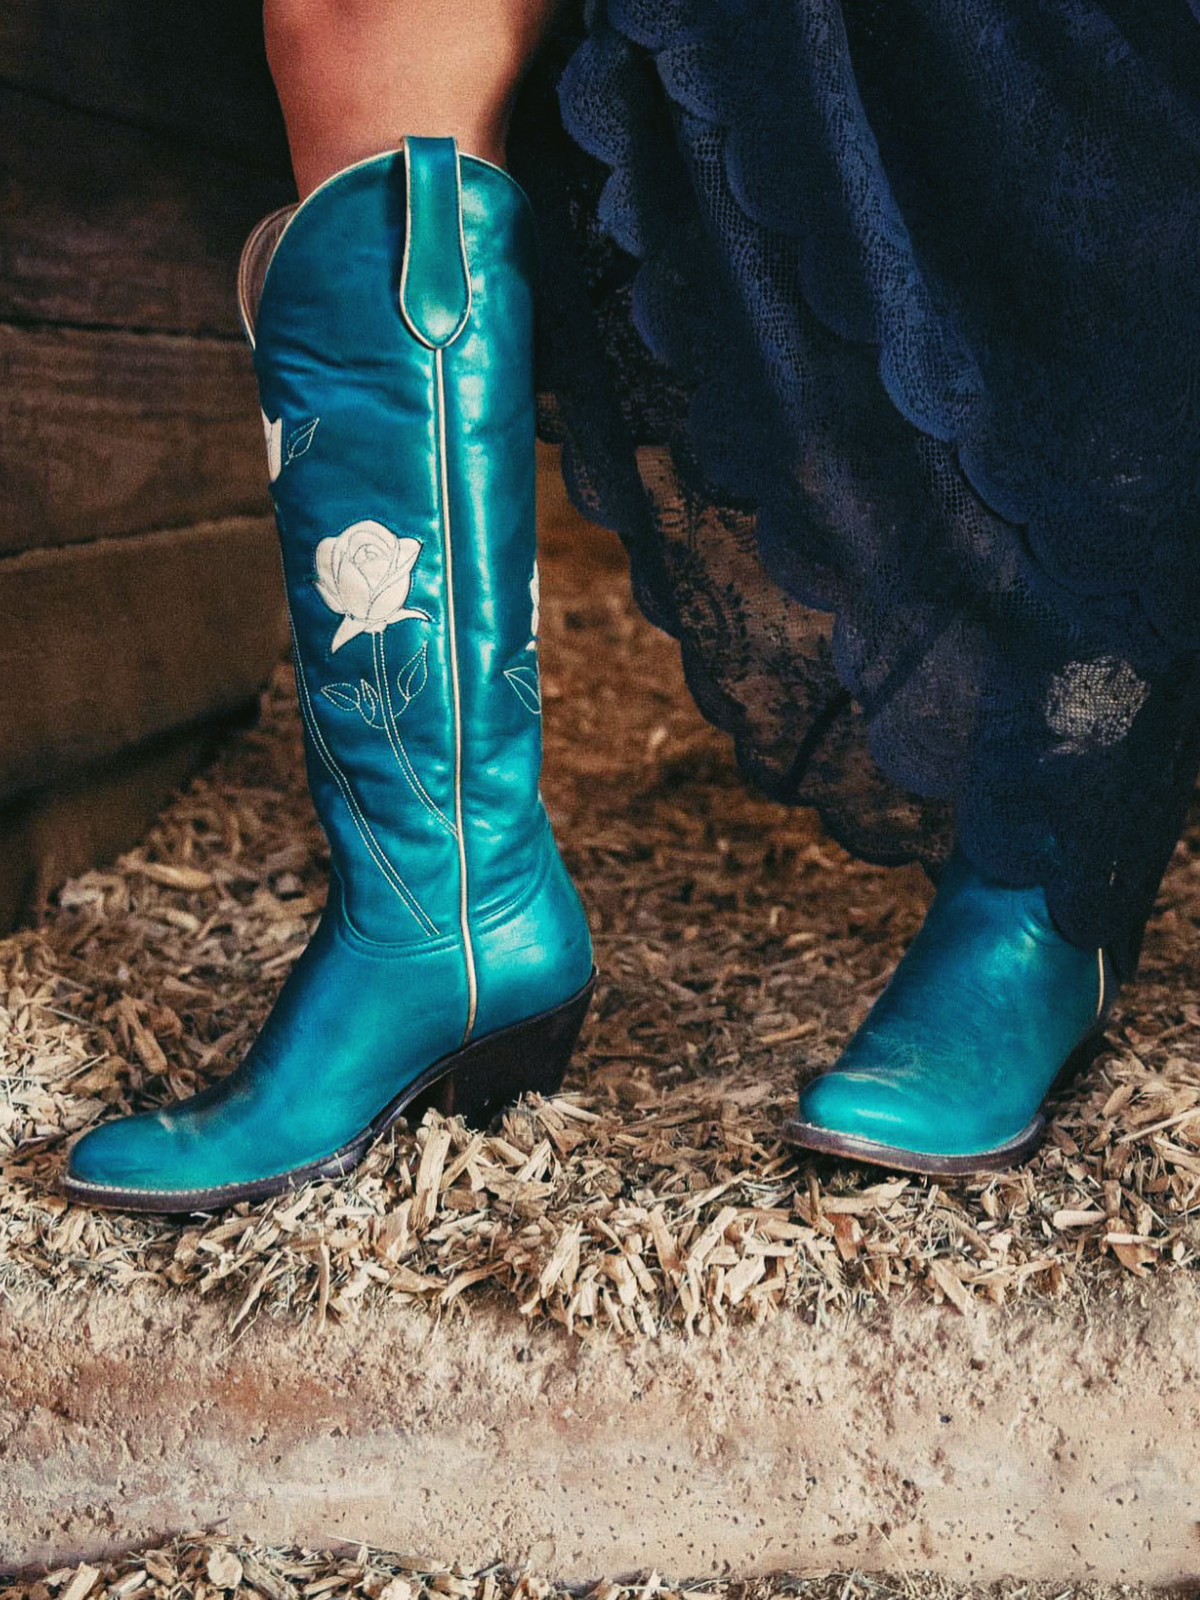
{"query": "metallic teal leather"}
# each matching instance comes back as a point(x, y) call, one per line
point(953, 1061)
point(401, 451)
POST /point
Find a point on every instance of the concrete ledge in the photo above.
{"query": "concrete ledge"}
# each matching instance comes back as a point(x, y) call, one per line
point(1023, 1444)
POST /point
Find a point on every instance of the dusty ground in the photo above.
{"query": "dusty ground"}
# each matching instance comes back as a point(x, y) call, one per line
point(1005, 1443)
point(738, 948)
point(200, 1568)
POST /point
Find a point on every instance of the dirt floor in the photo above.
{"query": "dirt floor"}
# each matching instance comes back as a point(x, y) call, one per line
point(1011, 1442)
point(200, 1568)
point(737, 946)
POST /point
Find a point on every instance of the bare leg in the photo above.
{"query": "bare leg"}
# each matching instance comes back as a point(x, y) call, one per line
point(354, 76)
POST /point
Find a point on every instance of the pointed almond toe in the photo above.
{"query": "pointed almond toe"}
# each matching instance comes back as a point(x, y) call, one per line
point(130, 1154)
point(867, 1118)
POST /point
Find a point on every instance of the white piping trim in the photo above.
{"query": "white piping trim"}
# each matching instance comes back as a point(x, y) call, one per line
point(462, 248)
point(380, 155)
point(448, 559)
point(375, 850)
point(333, 177)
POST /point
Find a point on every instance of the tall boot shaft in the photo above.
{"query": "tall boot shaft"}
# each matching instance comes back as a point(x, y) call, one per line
point(393, 347)
point(391, 315)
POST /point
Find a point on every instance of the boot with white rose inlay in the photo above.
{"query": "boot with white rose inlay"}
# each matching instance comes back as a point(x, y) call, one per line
point(391, 315)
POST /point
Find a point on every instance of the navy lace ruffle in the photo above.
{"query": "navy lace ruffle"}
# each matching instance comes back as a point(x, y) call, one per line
point(869, 326)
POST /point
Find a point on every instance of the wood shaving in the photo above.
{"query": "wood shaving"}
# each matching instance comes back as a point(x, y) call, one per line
point(197, 1566)
point(738, 947)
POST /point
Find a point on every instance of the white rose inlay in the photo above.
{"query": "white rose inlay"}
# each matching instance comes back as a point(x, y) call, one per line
point(364, 574)
point(273, 434)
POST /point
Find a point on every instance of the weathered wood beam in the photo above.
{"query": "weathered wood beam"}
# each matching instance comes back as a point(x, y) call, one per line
point(105, 223)
point(52, 833)
point(195, 70)
point(111, 643)
point(107, 434)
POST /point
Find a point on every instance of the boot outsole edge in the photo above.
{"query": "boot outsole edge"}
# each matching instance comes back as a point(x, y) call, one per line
point(475, 1082)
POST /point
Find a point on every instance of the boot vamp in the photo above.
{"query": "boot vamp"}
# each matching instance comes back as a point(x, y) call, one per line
point(959, 1051)
point(354, 1026)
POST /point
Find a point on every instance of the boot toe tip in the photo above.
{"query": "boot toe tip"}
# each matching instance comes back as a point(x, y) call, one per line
point(861, 1107)
point(872, 1115)
point(115, 1156)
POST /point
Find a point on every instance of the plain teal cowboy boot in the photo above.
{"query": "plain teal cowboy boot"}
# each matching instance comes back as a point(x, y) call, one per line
point(391, 315)
point(989, 1008)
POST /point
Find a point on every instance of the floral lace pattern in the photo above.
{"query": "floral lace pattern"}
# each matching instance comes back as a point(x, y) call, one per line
point(869, 325)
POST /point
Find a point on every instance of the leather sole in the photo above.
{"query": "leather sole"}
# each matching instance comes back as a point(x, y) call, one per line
point(474, 1083)
point(999, 1158)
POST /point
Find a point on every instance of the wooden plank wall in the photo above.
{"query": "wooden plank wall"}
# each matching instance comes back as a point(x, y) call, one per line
point(138, 573)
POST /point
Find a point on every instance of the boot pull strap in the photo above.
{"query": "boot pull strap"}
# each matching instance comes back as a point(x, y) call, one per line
point(435, 285)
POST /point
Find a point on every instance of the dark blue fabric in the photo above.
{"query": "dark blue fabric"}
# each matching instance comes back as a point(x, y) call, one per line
point(873, 329)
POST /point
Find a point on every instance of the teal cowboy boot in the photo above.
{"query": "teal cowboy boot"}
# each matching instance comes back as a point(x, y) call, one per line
point(989, 1008)
point(391, 318)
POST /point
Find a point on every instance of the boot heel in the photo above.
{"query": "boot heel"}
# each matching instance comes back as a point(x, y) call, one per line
point(529, 1056)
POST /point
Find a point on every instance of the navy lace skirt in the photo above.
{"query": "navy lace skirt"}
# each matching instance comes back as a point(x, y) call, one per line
point(873, 328)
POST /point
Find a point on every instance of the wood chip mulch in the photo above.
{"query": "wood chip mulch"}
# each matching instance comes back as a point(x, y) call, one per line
point(737, 946)
point(202, 1567)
